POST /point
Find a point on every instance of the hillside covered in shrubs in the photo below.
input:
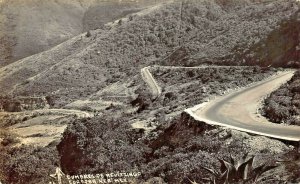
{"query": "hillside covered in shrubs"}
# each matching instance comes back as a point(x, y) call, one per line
point(99, 73)
point(283, 105)
point(180, 150)
point(33, 26)
point(177, 33)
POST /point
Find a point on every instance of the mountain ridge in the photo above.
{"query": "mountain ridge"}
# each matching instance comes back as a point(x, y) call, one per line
point(205, 28)
point(32, 26)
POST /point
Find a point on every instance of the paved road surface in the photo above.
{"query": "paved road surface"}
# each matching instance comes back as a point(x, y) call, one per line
point(148, 78)
point(238, 110)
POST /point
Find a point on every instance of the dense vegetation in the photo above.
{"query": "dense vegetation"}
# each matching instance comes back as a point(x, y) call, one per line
point(9, 105)
point(179, 153)
point(27, 164)
point(191, 32)
point(177, 150)
point(283, 105)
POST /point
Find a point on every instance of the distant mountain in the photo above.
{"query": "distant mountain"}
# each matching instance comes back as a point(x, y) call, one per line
point(176, 33)
point(32, 26)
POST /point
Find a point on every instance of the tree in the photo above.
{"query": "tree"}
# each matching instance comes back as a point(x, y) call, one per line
point(88, 34)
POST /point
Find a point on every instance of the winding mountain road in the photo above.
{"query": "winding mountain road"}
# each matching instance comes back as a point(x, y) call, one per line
point(239, 109)
point(150, 81)
point(78, 113)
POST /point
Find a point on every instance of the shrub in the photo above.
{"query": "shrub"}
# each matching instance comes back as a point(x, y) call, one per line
point(235, 172)
point(283, 104)
point(27, 164)
point(10, 140)
point(88, 34)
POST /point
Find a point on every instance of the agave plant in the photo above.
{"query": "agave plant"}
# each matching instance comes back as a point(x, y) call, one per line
point(241, 171)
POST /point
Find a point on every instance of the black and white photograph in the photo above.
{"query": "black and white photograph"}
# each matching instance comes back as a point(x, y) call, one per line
point(149, 91)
